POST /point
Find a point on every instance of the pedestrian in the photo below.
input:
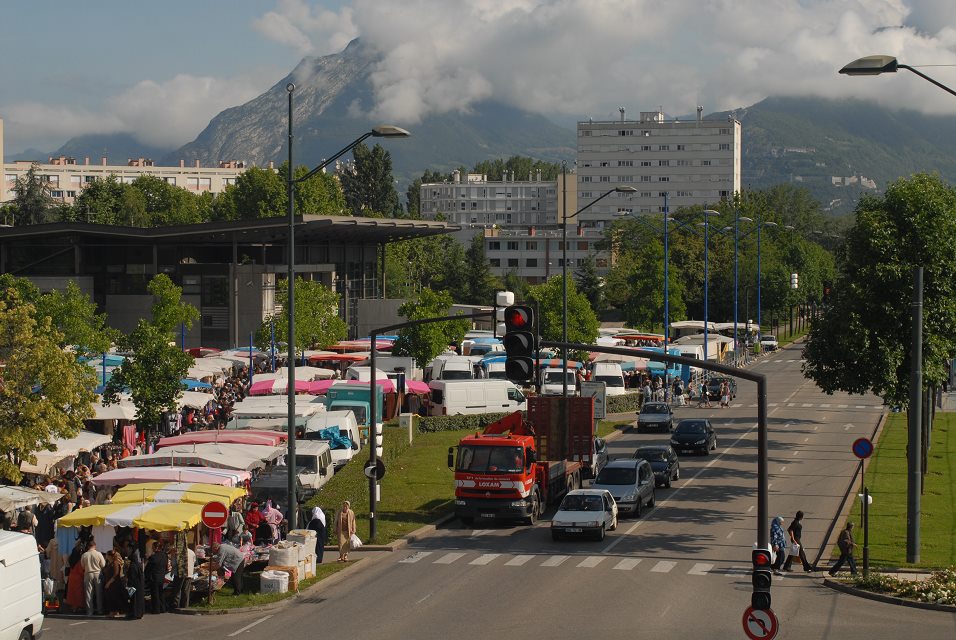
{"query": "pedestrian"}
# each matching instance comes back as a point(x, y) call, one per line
point(344, 530)
point(92, 562)
point(75, 597)
point(724, 394)
point(229, 557)
point(136, 586)
point(253, 520)
point(704, 398)
point(317, 524)
point(795, 531)
point(778, 542)
point(115, 597)
point(183, 584)
point(846, 544)
point(155, 573)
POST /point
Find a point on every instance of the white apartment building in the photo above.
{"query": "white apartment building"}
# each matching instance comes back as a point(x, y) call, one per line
point(694, 162)
point(538, 254)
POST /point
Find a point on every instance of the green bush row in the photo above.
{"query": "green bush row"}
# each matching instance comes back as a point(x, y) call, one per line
point(434, 424)
point(623, 404)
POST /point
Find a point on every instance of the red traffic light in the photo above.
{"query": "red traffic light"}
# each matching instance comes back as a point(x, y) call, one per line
point(517, 317)
point(761, 559)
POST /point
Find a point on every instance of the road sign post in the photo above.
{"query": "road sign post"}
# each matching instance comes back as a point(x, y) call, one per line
point(863, 449)
point(598, 391)
point(760, 625)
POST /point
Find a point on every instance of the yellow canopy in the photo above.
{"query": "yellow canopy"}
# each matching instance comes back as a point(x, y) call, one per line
point(188, 492)
point(149, 515)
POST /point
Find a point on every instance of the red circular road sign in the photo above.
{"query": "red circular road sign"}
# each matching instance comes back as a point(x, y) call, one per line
point(214, 514)
point(760, 625)
point(862, 448)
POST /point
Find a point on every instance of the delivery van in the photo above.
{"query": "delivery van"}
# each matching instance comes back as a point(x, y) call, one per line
point(460, 397)
point(21, 592)
point(552, 381)
point(346, 427)
point(450, 367)
point(611, 374)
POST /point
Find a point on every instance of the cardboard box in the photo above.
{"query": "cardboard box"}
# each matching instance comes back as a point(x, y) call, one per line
point(293, 572)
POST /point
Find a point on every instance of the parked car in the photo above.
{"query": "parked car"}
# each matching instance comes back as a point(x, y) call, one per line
point(630, 482)
point(664, 462)
point(694, 435)
point(768, 343)
point(713, 387)
point(600, 456)
point(585, 512)
point(656, 415)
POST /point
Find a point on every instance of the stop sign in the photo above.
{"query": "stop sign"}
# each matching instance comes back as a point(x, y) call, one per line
point(214, 514)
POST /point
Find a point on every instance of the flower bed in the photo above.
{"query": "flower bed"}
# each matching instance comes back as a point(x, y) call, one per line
point(939, 588)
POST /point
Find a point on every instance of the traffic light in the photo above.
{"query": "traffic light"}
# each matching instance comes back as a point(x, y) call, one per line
point(520, 342)
point(762, 579)
point(794, 281)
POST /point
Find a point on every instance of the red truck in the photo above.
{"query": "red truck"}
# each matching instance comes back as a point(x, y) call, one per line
point(517, 466)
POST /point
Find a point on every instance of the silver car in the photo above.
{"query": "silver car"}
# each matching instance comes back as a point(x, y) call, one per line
point(630, 482)
point(657, 416)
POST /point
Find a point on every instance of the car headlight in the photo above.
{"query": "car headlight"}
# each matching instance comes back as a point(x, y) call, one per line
point(700, 441)
point(674, 442)
point(593, 523)
point(460, 503)
point(630, 497)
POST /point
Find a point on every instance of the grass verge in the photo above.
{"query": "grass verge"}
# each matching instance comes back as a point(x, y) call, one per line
point(607, 427)
point(227, 599)
point(886, 480)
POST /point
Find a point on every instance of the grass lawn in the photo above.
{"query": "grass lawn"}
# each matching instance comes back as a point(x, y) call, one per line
point(886, 479)
point(226, 599)
point(606, 427)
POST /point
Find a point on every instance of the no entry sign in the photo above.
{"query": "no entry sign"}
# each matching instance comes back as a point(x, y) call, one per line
point(214, 514)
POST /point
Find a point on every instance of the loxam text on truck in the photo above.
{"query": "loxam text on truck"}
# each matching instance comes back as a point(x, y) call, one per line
point(516, 466)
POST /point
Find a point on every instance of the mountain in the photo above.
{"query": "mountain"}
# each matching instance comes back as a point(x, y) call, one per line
point(331, 90)
point(117, 148)
point(831, 146)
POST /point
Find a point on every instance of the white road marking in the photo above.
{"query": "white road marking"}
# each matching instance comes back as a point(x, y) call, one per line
point(480, 532)
point(730, 534)
point(796, 452)
point(554, 561)
point(783, 468)
point(750, 508)
point(772, 404)
point(791, 404)
point(76, 623)
point(815, 427)
point(824, 406)
point(846, 427)
point(806, 439)
point(842, 406)
point(485, 558)
point(627, 564)
point(700, 569)
point(249, 626)
point(591, 561)
point(448, 558)
point(517, 561)
point(806, 404)
point(424, 598)
point(415, 557)
point(862, 406)
point(664, 566)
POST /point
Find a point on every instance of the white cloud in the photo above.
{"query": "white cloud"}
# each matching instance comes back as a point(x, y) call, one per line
point(579, 58)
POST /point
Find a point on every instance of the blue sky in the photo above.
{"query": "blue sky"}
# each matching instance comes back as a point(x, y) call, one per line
point(162, 69)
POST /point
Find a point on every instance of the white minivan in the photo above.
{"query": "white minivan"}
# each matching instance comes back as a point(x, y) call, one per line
point(450, 367)
point(552, 384)
point(347, 426)
point(611, 374)
point(21, 592)
point(459, 397)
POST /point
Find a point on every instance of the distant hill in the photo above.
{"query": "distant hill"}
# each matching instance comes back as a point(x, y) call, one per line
point(117, 148)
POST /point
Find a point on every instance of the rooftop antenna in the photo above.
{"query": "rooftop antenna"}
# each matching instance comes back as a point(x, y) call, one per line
point(621, 109)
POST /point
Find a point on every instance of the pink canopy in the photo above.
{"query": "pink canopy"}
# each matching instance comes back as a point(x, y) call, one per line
point(387, 385)
point(276, 386)
point(267, 438)
point(225, 477)
point(320, 387)
point(417, 387)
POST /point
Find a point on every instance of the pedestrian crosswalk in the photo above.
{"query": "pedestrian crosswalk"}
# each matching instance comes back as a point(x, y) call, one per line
point(597, 562)
point(813, 405)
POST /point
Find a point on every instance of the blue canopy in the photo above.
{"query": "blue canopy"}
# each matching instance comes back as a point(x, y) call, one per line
point(191, 384)
point(334, 437)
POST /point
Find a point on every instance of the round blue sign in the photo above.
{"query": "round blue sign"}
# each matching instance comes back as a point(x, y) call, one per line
point(862, 448)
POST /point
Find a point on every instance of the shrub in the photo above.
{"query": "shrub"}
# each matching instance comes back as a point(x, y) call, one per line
point(939, 588)
point(623, 404)
point(433, 424)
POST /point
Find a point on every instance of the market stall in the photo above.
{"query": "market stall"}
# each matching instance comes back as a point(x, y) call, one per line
point(12, 498)
point(205, 475)
point(63, 451)
point(213, 454)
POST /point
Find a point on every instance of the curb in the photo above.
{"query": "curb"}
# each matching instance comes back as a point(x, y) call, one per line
point(879, 597)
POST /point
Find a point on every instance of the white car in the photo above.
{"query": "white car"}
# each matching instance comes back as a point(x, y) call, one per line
point(585, 512)
point(768, 343)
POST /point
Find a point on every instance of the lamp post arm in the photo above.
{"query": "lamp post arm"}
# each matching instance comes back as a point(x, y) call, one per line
point(334, 157)
point(927, 78)
point(590, 204)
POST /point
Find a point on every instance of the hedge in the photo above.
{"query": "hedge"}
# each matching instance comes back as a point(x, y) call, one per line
point(624, 404)
point(432, 424)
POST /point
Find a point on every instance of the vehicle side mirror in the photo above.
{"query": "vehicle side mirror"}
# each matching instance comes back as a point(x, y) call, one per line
point(451, 457)
point(531, 456)
point(355, 446)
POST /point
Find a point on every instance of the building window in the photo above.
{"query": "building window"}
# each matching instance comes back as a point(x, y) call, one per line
point(705, 163)
point(681, 147)
point(663, 163)
point(725, 132)
point(170, 180)
point(683, 163)
point(645, 194)
point(512, 245)
point(56, 194)
point(495, 262)
point(582, 245)
point(89, 179)
point(585, 178)
point(625, 163)
point(645, 178)
point(724, 146)
point(685, 194)
point(646, 133)
point(605, 163)
point(462, 206)
point(724, 193)
point(71, 194)
point(664, 179)
point(530, 245)
point(645, 163)
point(494, 246)
point(645, 147)
point(227, 181)
point(586, 194)
point(605, 178)
point(626, 132)
point(663, 147)
point(662, 194)
point(512, 262)
point(531, 262)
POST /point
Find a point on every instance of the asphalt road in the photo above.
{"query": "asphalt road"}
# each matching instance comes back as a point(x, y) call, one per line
point(680, 571)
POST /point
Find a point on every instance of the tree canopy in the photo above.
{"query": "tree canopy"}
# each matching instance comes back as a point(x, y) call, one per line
point(582, 321)
point(317, 321)
point(369, 186)
point(862, 342)
point(424, 342)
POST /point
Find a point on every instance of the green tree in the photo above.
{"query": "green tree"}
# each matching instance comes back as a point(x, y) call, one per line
point(44, 392)
point(258, 193)
point(319, 195)
point(109, 201)
point(169, 311)
point(413, 202)
point(317, 321)
point(582, 321)
point(369, 185)
point(167, 204)
point(480, 284)
point(74, 316)
point(516, 284)
point(589, 283)
point(862, 343)
point(425, 341)
point(522, 167)
point(33, 202)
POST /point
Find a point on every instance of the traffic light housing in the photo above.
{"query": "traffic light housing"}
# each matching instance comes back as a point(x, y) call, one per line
point(762, 579)
point(520, 342)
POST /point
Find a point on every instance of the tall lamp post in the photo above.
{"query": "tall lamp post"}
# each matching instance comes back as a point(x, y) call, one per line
point(706, 225)
point(564, 276)
point(760, 225)
point(384, 131)
point(874, 66)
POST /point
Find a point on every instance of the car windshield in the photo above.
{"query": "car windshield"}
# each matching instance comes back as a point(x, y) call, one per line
point(497, 375)
point(456, 375)
point(611, 381)
point(651, 455)
point(554, 377)
point(691, 427)
point(480, 350)
point(616, 475)
point(582, 503)
point(489, 459)
point(654, 408)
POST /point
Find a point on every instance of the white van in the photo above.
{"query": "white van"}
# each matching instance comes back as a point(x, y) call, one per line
point(451, 367)
point(21, 592)
point(458, 397)
point(551, 382)
point(611, 374)
point(495, 371)
point(345, 422)
point(363, 374)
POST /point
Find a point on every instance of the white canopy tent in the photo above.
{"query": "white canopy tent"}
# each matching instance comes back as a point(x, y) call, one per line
point(64, 448)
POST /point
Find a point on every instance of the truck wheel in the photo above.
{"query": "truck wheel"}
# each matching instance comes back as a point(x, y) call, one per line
point(468, 522)
point(25, 635)
point(535, 510)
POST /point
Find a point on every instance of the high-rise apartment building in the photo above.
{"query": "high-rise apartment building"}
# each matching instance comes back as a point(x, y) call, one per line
point(694, 162)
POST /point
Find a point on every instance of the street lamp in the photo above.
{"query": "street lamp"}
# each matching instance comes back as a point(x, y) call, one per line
point(564, 274)
point(875, 65)
point(706, 225)
point(384, 131)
